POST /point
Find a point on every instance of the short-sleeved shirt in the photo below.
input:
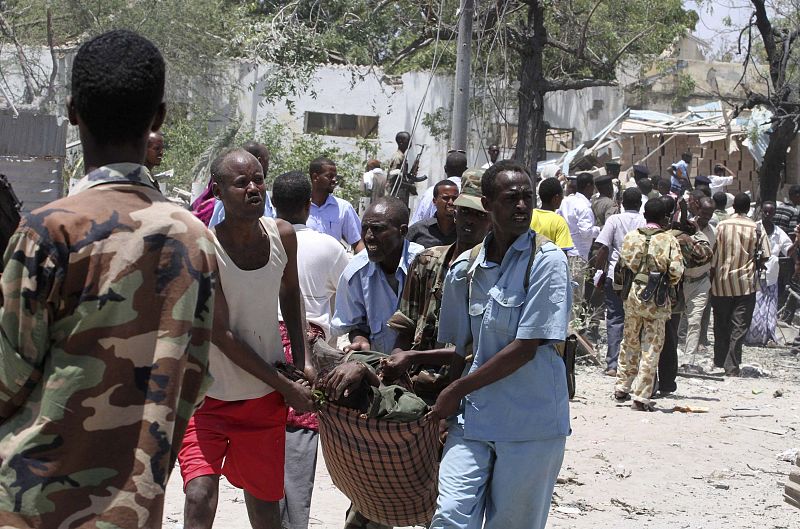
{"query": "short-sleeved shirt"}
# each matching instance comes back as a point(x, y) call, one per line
point(337, 218)
point(427, 234)
point(219, 212)
point(532, 403)
point(365, 301)
point(614, 231)
point(108, 300)
point(553, 226)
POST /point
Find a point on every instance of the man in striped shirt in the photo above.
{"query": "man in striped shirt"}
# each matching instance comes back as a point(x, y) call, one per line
point(734, 279)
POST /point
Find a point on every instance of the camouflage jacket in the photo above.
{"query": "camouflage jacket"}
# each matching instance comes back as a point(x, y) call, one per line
point(422, 297)
point(663, 255)
point(105, 326)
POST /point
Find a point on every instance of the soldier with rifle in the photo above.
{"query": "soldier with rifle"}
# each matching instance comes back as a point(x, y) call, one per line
point(402, 182)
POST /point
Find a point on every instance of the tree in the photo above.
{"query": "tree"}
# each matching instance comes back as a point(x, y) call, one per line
point(546, 45)
point(778, 46)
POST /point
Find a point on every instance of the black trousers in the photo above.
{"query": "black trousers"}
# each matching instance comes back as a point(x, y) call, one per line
point(732, 317)
point(668, 361)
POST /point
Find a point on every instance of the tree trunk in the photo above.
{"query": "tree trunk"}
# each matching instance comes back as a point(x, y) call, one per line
point(531, 126)
point(774, 164)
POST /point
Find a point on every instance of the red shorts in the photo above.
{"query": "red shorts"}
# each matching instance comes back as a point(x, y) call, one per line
point(243, 440)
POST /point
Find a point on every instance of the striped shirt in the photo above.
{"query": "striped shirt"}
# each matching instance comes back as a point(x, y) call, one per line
point(734, 257)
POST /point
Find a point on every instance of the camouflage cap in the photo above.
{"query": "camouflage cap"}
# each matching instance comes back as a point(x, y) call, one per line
point(471, 194)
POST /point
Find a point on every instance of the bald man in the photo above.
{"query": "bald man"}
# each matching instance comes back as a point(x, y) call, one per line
point(239, 431)
point(369, 289)
point(454, 166)
point(261, 152)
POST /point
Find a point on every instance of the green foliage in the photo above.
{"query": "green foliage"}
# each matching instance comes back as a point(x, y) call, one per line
point(186, 136)
point(293, 151)
point(438, 123)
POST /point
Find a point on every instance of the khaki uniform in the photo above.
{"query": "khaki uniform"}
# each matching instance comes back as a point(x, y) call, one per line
point(643, 334)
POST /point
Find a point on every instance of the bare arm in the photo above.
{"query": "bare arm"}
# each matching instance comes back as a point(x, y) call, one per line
point(357, 247)
point(244, 357)
point(291, 300)
point(601, 258)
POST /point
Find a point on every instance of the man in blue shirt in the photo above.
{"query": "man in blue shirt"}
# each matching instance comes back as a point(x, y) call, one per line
point(506, 442)
point(680, 177)
point(330, 214)
point(370, 287)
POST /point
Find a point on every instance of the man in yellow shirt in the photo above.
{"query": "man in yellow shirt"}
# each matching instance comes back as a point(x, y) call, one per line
point(546, 221)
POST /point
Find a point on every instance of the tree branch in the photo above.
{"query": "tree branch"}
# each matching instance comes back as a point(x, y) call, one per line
point(612, 63)
point(23, 61)
point(577, 84)
point(582, 44)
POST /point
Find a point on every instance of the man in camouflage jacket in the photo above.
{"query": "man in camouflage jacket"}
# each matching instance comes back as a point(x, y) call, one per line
point(108, 298)
point(645, 251)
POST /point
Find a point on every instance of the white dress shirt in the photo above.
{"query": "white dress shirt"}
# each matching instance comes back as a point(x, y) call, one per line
point(577, 211)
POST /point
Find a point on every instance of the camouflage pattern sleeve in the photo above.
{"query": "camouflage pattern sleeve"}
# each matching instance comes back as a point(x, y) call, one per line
point(675, 260)
point(28, 287)
point(412, 299)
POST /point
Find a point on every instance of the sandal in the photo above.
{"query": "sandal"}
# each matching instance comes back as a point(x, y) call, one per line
point(641, 406)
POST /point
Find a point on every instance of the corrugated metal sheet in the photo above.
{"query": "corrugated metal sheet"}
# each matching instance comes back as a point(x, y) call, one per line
point(36, 181)
point(32, 135)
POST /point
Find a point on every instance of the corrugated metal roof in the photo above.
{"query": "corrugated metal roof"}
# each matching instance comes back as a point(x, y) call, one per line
point(32, 135)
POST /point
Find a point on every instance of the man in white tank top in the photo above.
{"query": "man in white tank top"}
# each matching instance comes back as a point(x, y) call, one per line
point(320, 261)
point(239, 430)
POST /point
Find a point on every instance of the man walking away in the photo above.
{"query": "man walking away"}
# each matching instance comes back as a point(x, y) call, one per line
point(107, 316)
point(546, 221)
point(697, 283)
point(651, 256)
point(696, 252)
point(603, 205)
point(740, 250)
point(511, 301)
point(577, 211)
point(320, 262)
point(720, 208)
point(610, 245)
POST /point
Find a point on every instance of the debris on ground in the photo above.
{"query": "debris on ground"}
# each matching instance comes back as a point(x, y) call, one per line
point(790, 455)
point(753, 371)
point(691, 409)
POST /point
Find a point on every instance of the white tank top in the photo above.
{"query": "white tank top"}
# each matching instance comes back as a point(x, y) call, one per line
point(252, 297)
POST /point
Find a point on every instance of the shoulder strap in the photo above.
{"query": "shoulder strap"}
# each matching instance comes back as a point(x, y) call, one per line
point(536, 244)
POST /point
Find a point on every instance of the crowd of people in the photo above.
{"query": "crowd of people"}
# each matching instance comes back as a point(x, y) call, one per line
point(136, 334)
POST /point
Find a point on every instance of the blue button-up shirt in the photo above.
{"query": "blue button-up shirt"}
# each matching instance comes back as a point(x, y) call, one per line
point(219, 212)
point(365, 301)
point(532, 403)
point(337, 218)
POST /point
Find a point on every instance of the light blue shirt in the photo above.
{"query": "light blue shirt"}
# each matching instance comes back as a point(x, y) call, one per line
point(365, 301)
point(337, 218)
point(219, 212)
point(681, 170)
point(532, 403)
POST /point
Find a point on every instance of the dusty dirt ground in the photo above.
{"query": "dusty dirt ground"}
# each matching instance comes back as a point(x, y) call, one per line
point(626, 469)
